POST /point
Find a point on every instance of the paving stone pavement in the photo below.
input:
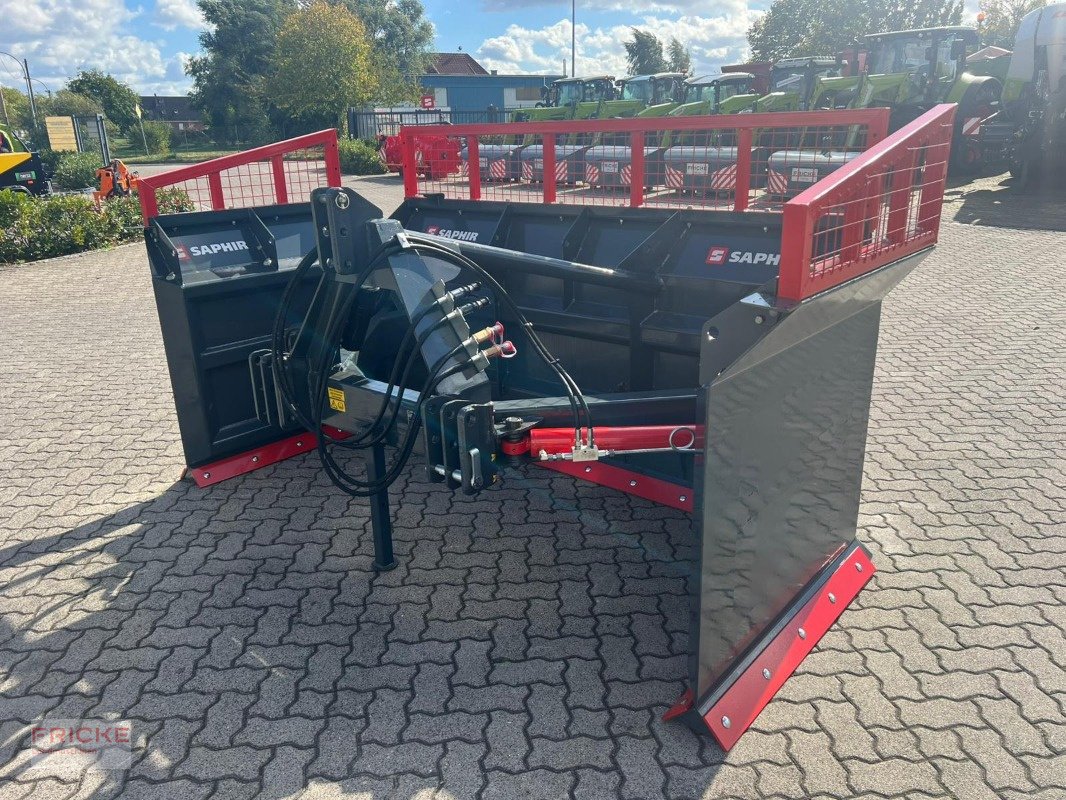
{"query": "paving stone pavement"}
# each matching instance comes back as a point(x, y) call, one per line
point(530, 638)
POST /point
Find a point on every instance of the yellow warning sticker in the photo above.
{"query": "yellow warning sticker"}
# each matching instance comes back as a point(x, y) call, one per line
point(336, 399)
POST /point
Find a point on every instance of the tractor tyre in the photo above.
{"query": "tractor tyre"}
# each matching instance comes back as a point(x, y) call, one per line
point(965, 159)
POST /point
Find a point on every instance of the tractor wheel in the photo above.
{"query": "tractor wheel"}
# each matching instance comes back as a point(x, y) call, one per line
point(965, 157)
point(17, 189)
point(1026, 173)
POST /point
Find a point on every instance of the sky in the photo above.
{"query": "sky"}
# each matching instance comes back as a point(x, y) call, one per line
point(147, 43)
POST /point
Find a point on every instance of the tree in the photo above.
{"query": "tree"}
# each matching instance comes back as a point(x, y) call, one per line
point(229, 79)
point(323, 64)
point(401, 38)
point(1002, 18)
point(644, 54)
point(824, 27)
point(16, 109)
point(66, 103)
point(680, 57)
point(118, 100)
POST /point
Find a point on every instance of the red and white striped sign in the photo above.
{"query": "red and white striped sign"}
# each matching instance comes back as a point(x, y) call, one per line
point(531, 170)
point(498, 169)
point(777, 182)
point(725, 178)
point(971, 126)
point(593, 173)
point(675, 178)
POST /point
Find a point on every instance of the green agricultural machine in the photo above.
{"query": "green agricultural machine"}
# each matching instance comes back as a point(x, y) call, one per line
point(793, 82)
point(723, 93)
point(1030, 130)
point(912, 71)
point(658, 94)
point(573, 98)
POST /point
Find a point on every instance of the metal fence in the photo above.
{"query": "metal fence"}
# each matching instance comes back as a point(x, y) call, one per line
point(882, 206)
point(363, 124)
point(734, 162)
point(92, 136)
point(277, 173)
point(853, 197)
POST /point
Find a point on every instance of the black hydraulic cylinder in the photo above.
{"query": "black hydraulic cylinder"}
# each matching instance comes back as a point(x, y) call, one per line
point(497, 258)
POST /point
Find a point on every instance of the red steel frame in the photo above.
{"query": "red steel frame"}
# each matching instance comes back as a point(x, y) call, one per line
point(914, 158)
point(874, 119)
point(213, 169)
point(875, 190)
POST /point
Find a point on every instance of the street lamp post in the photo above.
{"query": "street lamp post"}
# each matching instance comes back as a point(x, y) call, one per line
point(29, 84)
point(573, 39)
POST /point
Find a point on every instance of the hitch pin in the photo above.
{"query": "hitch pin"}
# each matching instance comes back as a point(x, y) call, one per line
point(441, 470)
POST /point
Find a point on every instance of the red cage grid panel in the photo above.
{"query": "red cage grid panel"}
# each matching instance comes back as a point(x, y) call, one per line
point(277, 173)
point(853, 197)
point(721, 162)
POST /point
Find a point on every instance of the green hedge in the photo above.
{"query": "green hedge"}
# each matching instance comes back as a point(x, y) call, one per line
point(359, 158)
point(75, 171)
point(33, 228)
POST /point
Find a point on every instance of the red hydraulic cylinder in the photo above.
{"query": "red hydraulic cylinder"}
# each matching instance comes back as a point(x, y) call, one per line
point(554, 441)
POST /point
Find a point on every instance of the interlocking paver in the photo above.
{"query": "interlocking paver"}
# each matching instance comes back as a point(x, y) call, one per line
point(530, 637)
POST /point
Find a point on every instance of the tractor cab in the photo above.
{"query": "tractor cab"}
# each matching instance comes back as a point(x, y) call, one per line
point(722, 93)
point(21, 169)
point(658, 94)
point(571, 98)
point(929, 62)
point(911, 71)
point(793, 81)
point(571, 91)
point(652, 90)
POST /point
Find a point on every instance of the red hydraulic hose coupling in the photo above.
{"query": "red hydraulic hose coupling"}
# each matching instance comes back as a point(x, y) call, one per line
point(501, 350)
point(493, 333)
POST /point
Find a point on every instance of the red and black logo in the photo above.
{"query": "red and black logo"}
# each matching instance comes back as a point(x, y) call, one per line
point(717, 255)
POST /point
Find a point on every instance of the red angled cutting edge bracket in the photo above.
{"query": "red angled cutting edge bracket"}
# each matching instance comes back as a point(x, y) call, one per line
point(257, 458)
point(741, 703)
point(654, 489)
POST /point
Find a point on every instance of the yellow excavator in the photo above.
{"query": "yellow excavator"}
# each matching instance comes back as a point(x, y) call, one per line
point(21, 169)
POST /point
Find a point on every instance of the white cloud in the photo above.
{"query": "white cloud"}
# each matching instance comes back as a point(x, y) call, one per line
point(650, 7)
point(171, 14)
point(713, 41)
point(61, 37)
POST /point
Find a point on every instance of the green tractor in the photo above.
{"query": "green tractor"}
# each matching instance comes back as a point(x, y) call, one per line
point(723, 93)
point(911, 71)
point(571, 98)
point(793, 82)
point(1030, 130)
point(657, 94)
point(21, 169)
